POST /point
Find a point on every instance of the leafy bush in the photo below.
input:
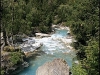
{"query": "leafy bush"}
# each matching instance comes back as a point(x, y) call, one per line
point(78, 70)
point(43, 28)
point(16, 57)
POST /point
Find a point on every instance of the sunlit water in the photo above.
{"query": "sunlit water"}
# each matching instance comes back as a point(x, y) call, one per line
point(52, 48)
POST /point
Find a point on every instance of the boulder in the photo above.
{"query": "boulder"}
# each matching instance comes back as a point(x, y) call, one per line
point(56, 67)
point(30, 47)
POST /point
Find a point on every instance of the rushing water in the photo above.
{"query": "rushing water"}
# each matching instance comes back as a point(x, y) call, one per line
point(53, 48)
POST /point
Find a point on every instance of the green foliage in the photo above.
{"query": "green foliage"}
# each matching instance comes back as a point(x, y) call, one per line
point(56, 21)
point(64, 11)
point(92, 58)
point(91, 62)
point(84, 25)
point(21, 15)
point(78, 70)
point(16, 57)
point(43, 28)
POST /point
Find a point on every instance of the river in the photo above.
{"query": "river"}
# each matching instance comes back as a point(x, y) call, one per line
point(53, 47)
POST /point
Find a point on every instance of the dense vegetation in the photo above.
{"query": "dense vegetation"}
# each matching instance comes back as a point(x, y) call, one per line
point(11, 62)
point(82, 16)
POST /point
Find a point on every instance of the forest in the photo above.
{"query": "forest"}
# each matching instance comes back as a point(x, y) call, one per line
point(30, 16)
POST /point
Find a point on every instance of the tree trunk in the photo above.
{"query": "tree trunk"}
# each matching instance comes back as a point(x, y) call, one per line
point(5, 37)
point(6, 42)
point(12, 24)
point(12, 39)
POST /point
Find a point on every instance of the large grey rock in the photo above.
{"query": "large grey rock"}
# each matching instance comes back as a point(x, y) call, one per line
point(56, 67)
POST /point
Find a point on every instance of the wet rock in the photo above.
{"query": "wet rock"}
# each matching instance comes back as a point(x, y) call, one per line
point(29, 54)
point(25, 64)
point(56, 67)
point(30, 47)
